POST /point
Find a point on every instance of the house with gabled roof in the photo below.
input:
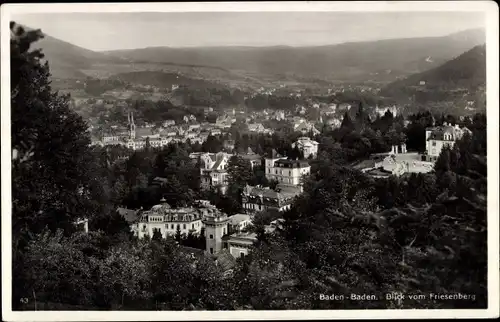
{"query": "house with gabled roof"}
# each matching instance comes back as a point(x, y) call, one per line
point(213, 171)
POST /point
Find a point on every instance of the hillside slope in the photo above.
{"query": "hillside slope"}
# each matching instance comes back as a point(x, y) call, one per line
point(383, 60)
point(465, 72)
point(69, 61)
point(162, 79)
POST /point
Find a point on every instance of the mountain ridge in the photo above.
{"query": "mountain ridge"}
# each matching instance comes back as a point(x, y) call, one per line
point(382, 60)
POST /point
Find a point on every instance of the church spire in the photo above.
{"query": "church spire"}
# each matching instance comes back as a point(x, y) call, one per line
point(132, 125)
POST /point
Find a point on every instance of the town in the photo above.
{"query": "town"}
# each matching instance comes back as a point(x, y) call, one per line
point(230, 233)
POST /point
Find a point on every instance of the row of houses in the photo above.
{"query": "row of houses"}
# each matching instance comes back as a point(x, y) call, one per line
point(214, 174)
point(221, 231)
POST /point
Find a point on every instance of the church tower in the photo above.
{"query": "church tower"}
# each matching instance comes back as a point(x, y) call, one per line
point(131, 125)
point(216, 226)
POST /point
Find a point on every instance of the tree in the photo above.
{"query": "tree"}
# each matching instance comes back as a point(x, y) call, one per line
point(178, 235)
point(347, 122)
point(157, 236)
point(46, 135)
point(296, 153)
point(212, 145)
point(239, 171)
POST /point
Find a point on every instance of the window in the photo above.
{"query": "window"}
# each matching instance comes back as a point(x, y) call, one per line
point(242, 254)
point(223, 231)
point(184, 226)
point(211, 250)
point(433, 143)
point(211, 237)
point(172, 226)
point(192, 226)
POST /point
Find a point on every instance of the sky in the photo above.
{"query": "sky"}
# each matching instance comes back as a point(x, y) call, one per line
point(110, 31)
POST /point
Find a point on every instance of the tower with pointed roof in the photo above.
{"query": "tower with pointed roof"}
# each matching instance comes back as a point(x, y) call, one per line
point(131, 125)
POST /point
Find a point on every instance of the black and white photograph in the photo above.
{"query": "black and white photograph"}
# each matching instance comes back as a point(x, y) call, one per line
point(298, 160)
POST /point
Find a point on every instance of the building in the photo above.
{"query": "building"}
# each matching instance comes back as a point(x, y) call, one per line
point(279, 115)
point(397, 164)
point(83, 224)
point(168, 221)
point(307, 146)
point(305, 128)
point(136, 138)
point(216, 226)
point(253, 158)
point(213, 171)
point(239, 222)
point(256, 199)
point(438, 137)
point(256, 127)
point(239, 244)
point(286, 171)
point(168, 123)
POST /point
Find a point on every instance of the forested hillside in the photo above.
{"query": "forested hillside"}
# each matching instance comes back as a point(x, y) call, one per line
point(462, 76)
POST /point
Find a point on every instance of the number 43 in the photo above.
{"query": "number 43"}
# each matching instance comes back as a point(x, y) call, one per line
point(24, 300)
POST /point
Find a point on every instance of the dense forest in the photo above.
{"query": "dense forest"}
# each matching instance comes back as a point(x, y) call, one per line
point(347, 233)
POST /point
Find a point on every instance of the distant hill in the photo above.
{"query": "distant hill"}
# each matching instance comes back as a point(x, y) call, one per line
point(380, 61)
point(383, 60)
point(466, 72)
point(69, 61)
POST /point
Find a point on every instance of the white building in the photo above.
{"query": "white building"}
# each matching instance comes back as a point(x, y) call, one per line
point(213, 171)
point(239, 244)
point(438, 137)
point(305, 128)
point(83, 224)
point(256, 127)
point(219, 239)
point(168, 123)
point(167, 221)
point(239, 222)
point(285, 170)
point(307, 146)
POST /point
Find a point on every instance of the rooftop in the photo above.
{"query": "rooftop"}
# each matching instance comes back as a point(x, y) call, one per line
point(247, 236)
point(236, 219)
point(225, 260)
point(198, 253)
point(292, 163)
